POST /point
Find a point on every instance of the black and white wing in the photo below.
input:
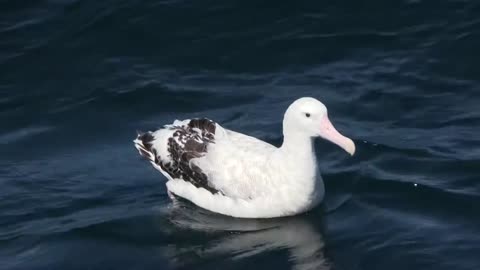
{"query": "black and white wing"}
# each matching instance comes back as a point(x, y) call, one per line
point(172, 148)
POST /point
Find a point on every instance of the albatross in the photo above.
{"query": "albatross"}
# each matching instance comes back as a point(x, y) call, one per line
point(237, 175)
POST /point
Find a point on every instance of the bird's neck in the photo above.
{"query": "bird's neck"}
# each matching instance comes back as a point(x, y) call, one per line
point(299, 164)
point(298, 150)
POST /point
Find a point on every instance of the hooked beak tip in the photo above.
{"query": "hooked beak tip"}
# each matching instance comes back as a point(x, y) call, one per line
point(351, 148)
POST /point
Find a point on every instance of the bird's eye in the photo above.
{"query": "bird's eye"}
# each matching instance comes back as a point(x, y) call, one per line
point(307, 114)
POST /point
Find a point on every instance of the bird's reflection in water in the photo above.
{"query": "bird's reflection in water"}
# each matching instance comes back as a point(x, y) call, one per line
point(242, 238)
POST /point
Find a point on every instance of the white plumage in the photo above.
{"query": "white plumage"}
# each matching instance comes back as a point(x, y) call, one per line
point(237, 175)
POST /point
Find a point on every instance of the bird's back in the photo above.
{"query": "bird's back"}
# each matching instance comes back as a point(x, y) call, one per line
point(208, 156)
point(238, 165)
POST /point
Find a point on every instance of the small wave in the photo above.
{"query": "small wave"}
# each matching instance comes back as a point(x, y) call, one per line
point(23, 133)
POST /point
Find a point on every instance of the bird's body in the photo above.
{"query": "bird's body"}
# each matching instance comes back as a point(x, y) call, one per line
point(237, 175)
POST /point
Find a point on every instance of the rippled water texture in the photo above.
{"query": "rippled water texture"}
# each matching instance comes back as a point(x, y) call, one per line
point(78, 78)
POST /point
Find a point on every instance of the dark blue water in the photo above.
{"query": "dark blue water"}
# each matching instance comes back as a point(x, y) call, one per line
point(79, 77)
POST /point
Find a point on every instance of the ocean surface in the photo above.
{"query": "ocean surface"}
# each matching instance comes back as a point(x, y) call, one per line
point(79, 77)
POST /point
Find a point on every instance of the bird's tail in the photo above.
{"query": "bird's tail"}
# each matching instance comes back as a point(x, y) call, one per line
point(143, 143)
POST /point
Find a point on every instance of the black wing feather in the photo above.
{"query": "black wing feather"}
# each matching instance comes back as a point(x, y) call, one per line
point(187, 142)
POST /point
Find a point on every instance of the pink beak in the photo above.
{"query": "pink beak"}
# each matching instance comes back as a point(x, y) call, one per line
point(328, 132)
